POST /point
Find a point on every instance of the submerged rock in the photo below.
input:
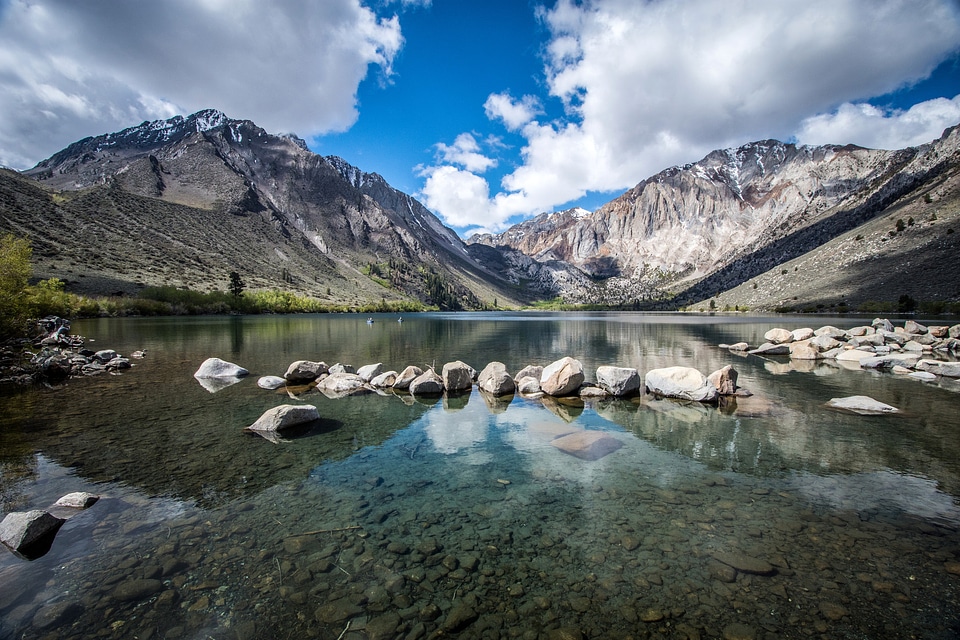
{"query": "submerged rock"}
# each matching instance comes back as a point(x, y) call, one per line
point(863, 405)
point(587, 445)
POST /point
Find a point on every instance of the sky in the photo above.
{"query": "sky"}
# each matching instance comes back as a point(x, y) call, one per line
point(488, 111)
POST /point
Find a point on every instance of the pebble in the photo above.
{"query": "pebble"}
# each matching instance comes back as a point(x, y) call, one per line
point(137, 589)
point(739, 631)
point(832, 611)
point(744, 563)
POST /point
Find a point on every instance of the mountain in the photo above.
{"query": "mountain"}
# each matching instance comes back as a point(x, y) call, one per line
point(694, 231)
point(185, 201)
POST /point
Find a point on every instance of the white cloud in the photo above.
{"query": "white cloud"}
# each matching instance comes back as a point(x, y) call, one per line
point(463, 197)
point(872, 127)
point(100, 65)
point(465, 151)
point(514, 114)
point(646, 85)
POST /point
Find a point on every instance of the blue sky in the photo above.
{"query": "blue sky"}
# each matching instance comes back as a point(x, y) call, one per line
point(488, 111)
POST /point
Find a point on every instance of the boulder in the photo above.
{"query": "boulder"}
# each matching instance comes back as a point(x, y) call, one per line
point(801, 334)
point(853, 355)
point(106, 355)
point(427, 383)
point(77, 500)
point(863, 405)
point(528, 385)
point(457, 376)
point(830, 331)
point(739, 346)
point(532, 371)
point(684, 383)
point(618, 381)
point(342, 368)
point(890, 361)
point(913, 327)
point(587, 445)
point(562, 377)
point(939, 331)
point(217, 368)
point(29, 534)
point(495, 380)
point(405, 377)
point(892, 337)
point(923, 376)
point(778, 336)
point(284, 417)
point(343, 383)
point(940, 368)
point(914, 346)
point(805, 350)
point(304, 371)
point(771, 349)
point(825, 342)
point(725, 380)
point(954, 331)
point(117, 364)
point(871, 340)
point(370, 371)
point(861, 331)
point(384, 380)
point(588, 391)
point(271, 382)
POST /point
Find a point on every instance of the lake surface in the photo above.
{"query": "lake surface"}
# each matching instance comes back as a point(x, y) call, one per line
point(397, 517)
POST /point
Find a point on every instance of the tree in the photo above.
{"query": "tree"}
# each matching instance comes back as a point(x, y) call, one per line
point(236, 284)
point(15, 270)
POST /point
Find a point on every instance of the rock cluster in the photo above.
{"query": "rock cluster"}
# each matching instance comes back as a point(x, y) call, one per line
point(30, 534)
point(563, 378)
point(60, 356)
point(908, 350)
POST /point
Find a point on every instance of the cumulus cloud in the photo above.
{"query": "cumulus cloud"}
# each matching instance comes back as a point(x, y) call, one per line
point(646, 85)
point(514, 113)
point(873, 127)
point(465, 151)
point(101, 65)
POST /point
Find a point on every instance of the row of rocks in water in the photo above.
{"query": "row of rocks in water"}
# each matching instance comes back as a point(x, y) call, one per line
point(60, 356)
point(879, 345)
point(562, 378)
point(30, 534)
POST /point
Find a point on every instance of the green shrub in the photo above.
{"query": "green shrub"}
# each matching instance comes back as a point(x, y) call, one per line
point(14, 276)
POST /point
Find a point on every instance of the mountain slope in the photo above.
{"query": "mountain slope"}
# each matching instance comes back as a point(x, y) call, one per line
point(709, 226)
point(214, 195)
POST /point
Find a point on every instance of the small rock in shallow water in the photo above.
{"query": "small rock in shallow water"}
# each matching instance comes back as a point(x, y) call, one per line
point(863, 405)
point(744, 563)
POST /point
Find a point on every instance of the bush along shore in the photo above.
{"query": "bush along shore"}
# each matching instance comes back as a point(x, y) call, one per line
point(55, 355)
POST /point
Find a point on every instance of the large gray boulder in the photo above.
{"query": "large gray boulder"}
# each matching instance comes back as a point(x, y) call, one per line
point(457, 376)
point(804, 350)
point(427, 383)
point(684, 383)
point(495, 380)
point(217, 368)
point(562, 378)
point(778, 336)
point(725, 380)
point(284, 417)
point(618, 381)
point(384, 380)
point(771, 349)
point(531, 371)
point(29, 534)
point(370, 371)
point(304, 371)
point(341, 384)
point(407, 376)
point(940, 368)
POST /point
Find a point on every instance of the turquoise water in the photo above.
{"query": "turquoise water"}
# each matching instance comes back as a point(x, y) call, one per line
point(397, 517)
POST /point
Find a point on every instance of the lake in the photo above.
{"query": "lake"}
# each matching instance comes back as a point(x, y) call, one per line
point(402, 517)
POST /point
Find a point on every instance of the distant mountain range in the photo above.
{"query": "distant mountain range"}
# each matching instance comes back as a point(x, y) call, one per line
point(185, 201)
